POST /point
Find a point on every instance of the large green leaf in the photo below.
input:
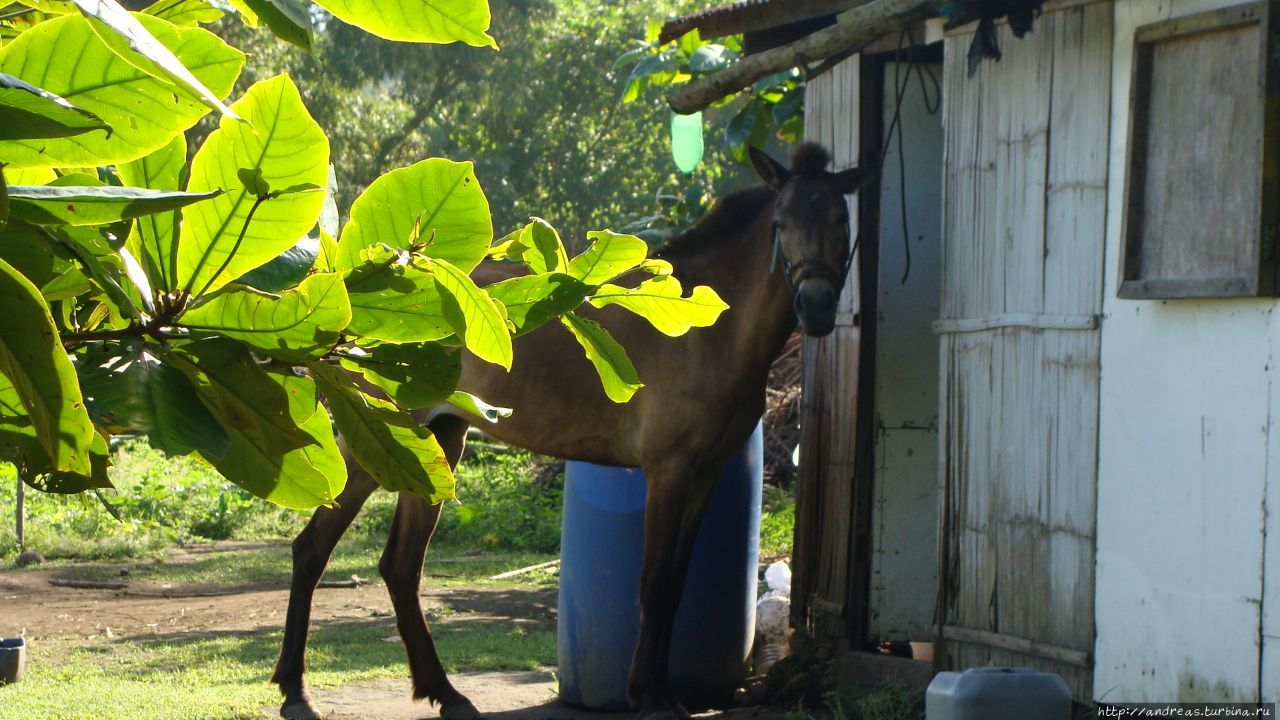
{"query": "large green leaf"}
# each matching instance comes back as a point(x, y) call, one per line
point(144, 112)
point(617, 374)
point(300, 323)
point(288, 20)
point(19, 445)
point(394, 302)
point(129, 39)
point(154, 237)
point(413, 375)
point(447, 198)
point(52, 205)
point(611, 254)
point(27, 112)
point(282, 446)
point(473, 315)
point(285, 270)
point(398, 452)
point(32, 357)
point(281, 140)
point(661, 301)
point(138, 394)
point(531, 300)
point(47, 264)
point(477, 407)
point(537, 245)
point(431, 21)
point(184, 13)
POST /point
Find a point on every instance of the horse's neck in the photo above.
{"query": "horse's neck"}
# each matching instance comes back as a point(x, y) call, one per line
point(761, 317)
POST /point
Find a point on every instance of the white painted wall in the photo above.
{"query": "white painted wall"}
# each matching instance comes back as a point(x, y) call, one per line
point(1189, 409)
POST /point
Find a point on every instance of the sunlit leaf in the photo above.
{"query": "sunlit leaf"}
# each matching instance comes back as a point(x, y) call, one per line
point(184, 13)
point(218, 242)
point(473, 315)
point(531, 300)
point(477, 407)
point(286, 19)
point(62, 205)
point(143, 111)
point(455, 214)
point(27, 112)
point(432, 21)
point(282, 446)
point(128, 38)
point(398, 452)
point(413, 375)
point(661, 301)
point(155, 237)
point(617, 374)
point(36, 364)
point(396, 303)
point(300, 323)
point(537, 245)
point(610, 255)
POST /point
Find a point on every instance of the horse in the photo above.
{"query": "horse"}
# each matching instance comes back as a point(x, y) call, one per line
point(776, 254)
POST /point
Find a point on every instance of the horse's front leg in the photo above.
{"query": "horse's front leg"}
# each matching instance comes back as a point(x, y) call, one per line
point(311, 551)
point(676, 500)
point(401, 567)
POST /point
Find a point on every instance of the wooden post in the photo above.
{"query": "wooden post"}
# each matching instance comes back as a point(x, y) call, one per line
point(19, 516)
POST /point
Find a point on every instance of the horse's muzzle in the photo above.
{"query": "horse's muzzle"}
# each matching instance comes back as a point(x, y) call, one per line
point(815, 304)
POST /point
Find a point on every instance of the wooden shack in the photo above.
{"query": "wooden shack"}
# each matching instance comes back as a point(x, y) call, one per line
point(1055, 441)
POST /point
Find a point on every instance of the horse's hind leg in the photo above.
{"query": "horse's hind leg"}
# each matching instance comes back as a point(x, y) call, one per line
point(675, 503)
point(401, 567)
point(311, 551)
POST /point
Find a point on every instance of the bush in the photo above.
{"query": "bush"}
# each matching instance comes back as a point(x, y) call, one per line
point(506, 501)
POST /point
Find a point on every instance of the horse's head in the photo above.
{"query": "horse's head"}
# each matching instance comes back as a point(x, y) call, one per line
point(811, 230)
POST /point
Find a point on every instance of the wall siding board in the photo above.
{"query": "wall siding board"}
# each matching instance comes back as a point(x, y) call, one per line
point(829, 404)
point(1186, 482)
point(1025, 221)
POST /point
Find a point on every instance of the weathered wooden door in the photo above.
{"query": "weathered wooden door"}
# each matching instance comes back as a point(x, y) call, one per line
point(1024, 223)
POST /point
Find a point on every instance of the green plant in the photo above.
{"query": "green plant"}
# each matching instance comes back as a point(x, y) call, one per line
point(777, 523)
point(499, 508)
point(179, 300)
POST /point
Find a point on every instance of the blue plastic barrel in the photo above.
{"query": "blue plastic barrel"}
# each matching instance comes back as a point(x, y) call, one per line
point(602, 541)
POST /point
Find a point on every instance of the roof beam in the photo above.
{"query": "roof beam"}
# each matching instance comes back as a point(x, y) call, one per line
point(854, 30)
point(749, 15)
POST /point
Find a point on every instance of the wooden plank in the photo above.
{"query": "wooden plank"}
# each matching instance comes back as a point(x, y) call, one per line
point(1022, 646)
point(1191, 242)
point(1026, 172)
point(1027, 321)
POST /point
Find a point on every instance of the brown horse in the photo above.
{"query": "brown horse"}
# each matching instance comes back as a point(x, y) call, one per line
point(774, 253)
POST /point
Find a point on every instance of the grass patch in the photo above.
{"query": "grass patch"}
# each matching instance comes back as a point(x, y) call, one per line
point(223, 676)
point(272, 565)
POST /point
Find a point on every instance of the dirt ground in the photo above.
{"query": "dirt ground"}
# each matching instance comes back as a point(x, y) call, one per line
point(42, 610)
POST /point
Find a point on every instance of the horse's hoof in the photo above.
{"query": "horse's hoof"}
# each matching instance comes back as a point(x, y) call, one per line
point(300, 709)
point(460, 710)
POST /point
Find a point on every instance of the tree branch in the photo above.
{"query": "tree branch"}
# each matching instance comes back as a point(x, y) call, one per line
point(854, 30)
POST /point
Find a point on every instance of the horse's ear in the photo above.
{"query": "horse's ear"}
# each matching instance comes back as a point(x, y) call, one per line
point(848, 181)
point(769, 170)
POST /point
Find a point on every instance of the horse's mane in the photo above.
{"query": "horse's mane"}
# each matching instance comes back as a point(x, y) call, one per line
point(732, 214)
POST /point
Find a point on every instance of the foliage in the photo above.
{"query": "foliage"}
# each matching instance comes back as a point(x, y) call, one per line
point(206, 304)
point(541, 119)
point(772, 107)
point(500, 509)
point(162, 500)
point(777, 523)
